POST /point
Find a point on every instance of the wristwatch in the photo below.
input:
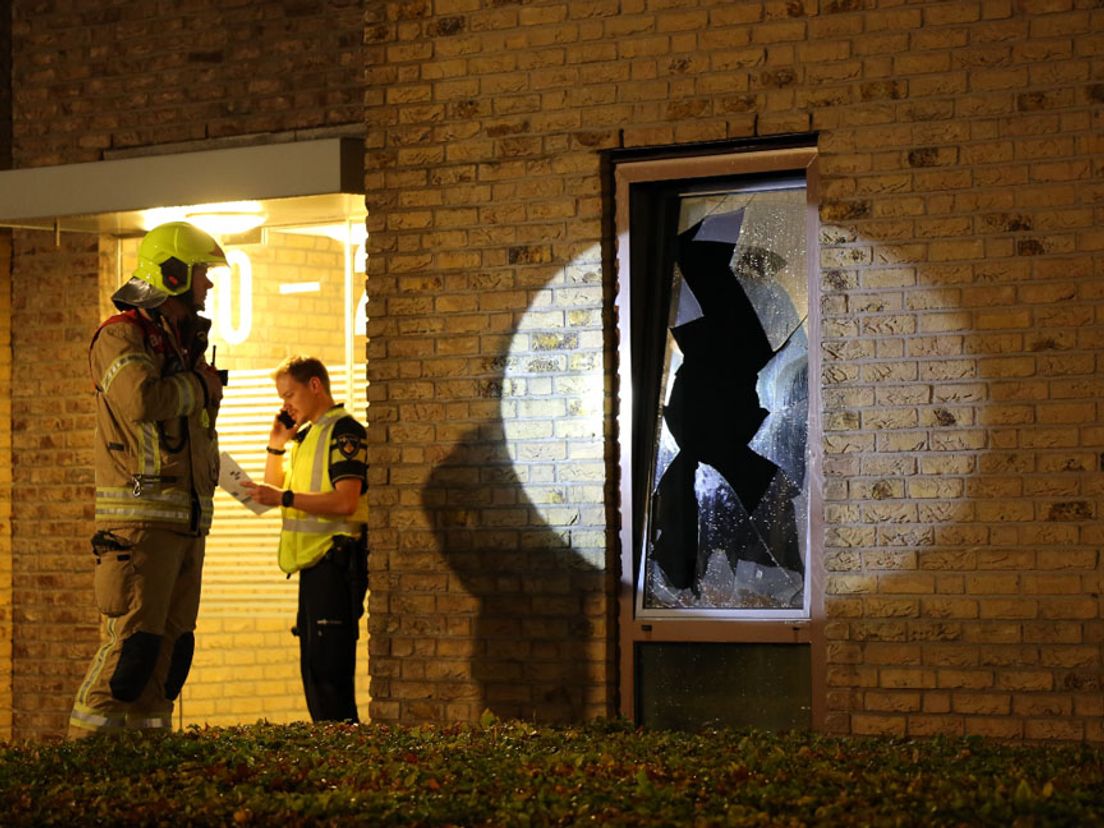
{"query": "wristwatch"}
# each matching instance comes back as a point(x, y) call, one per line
point(287, 498)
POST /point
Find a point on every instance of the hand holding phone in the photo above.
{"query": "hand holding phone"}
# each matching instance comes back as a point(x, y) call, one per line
point(285, 419)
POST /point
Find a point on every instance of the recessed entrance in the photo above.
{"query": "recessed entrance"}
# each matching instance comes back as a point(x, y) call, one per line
point(290, 216)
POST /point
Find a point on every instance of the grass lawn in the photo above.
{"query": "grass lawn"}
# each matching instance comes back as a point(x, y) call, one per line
point(512, 773)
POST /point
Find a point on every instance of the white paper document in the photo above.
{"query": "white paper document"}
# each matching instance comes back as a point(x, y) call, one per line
point(231, 478)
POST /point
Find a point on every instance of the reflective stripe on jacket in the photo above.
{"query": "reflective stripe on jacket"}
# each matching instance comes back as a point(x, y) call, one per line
point(306, 538)
point(156, 450)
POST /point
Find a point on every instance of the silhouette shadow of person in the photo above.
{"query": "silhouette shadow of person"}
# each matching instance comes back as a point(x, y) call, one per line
point(538, 626)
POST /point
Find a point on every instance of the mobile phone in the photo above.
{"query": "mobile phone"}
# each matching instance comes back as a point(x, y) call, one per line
point(286, 419)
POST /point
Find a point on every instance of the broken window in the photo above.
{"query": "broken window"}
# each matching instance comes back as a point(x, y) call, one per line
point(724, 427)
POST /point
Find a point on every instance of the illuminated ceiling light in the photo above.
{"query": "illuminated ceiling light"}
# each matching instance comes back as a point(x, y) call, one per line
point(226, 224)
point(300, 287)
point(352, 233)
point(228, 218)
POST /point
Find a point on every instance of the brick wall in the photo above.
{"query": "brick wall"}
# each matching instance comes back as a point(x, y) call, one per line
point(5, 92)
point(6, 626)
point(52, 423)
point(117, 75)
point(109, 78)
point(5, 394)
point(960, 157)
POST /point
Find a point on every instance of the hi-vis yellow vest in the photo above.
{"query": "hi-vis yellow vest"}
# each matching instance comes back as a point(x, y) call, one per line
point(306, 538)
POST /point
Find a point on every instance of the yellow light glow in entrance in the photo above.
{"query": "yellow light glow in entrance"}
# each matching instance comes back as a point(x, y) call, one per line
point(226, 218)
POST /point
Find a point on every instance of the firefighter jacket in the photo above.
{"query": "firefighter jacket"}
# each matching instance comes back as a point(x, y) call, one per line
point(329, 450)
point(156, 450)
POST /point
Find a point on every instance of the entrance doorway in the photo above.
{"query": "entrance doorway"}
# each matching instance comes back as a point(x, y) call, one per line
point(719, 610)
point(289, 289)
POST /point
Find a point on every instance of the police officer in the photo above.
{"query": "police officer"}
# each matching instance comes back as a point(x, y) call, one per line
point(316, 470)
point(156, 463)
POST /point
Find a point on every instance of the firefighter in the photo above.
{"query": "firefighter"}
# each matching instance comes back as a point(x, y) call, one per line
point(321, 488)
point(156, 460)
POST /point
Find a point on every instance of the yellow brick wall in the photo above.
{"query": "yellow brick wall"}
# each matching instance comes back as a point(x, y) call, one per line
point(6, 603)
point(959, 157)
point(51, 504)
point(148, 74)
point(247, 669)
point(6, 613)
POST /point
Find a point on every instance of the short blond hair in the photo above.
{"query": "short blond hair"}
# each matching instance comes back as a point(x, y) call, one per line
point(302, 368)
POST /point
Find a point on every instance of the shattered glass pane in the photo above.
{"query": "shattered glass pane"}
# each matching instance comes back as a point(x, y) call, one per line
point(772, 241)
point(783, 388)
point(726, 516)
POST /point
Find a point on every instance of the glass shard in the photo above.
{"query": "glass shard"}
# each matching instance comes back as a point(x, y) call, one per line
point(684, 304)
point(783, 389)
point(720, 227)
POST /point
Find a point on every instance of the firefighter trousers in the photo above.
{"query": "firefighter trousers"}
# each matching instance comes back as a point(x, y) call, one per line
point(146, 585)
point(331, 603)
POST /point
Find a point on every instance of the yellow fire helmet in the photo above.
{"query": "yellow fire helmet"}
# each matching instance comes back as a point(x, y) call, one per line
point(166, 257)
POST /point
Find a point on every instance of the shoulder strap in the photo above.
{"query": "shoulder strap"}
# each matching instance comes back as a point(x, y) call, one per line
point(133, 317)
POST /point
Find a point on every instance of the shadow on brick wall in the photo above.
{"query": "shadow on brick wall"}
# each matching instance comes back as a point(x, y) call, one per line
point(535, 598)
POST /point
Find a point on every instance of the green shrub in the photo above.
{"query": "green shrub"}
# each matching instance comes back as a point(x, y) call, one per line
point(516, 774)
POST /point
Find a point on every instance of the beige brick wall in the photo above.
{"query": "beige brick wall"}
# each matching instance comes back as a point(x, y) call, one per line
point(5, 394)
point(487, 357)
point(6, 602)
point(52, 423)
point(963, 446)
point(960, 158)
point(88, 84)
point(117, 76)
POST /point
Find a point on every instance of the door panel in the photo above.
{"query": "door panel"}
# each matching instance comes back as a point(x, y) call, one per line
point(685, 686)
